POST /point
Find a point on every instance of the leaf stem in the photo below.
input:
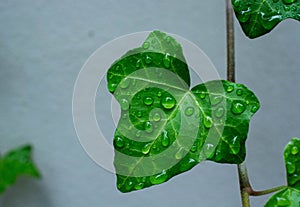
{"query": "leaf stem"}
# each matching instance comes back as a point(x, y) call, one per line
point(242, 169)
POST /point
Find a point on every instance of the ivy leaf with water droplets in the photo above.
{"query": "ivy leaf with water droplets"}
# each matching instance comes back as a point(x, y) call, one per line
point(289, 197)
point(258, 17)
point(165, 128)
point(14, 164)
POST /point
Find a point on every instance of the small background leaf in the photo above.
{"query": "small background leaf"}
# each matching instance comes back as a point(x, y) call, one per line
point(15, 163)
point(289, 197)
point(258, 17)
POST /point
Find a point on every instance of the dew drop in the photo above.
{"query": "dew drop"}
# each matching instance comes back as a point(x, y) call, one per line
point(148, 127)
point(146, 149)
point(239, 92)
point(291, 168)
point(148, 60)
point(166, 60)
point(188, 165)
point(146, 45)
point(139, 114)
point(139, 186)
point(159, 93)
point(215, 99)
point(138, 64)
point(194, 148)
point(124, 104)
point(159, 178)
point(168, 102)
point(238, 107)
point(125, 83)
point(148, 101)
point(112, 87)
point(207, 121)
point(180, 154)
point(128, 185)
point(271, 21)
point(282, 201)
point(294, 150)
point(219, 112)
point(165, 139)
point(244, 16)
point(156, 116)
point(254, 109)
point(230, 89)
point(119, 142)
point(202, 95)
point(189, 111)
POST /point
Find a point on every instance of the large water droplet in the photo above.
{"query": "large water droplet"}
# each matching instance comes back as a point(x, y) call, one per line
point(160, 178)
point(179, 154)
point(125, 83)
point(269, 22)
point(230, 89)
point(148, 127)
point(238, 107)
point(219, 112)
point(168, 102)
point(166, 60)
point(243, 16)
point(207, 121)
point(281, 202)
point(189, 111)
point(291, 168)
point(124, 104)
point(148, 60)
point(146, 45)
point(119, 142)
point(112, 87)
point(289, 1)
point(165, 139)
point(148, 101)
point(215, 99)
point(146, 148)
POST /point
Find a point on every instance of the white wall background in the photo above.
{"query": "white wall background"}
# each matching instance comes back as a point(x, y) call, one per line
point(43, 45)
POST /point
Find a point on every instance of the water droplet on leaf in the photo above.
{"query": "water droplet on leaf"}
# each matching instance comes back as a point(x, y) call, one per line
point(165, 139)
point(156, 116)
point(291, 168)
point(160, 178)
point(239, 92)
point(189, 111)
point(148, 60)
point(148, 127)
point(215, 99)
point(238, 107)
point(112, 87)
point(166, 60)
point(207, 121)
point(124, 104)
point(146, 148)
point(168, 102)
point(294, 150)
point(230, 89)
point(119, 142)
point(146, 45)
point(148, 101)
point(219, 112)
point(125, 83)
point(179, 154)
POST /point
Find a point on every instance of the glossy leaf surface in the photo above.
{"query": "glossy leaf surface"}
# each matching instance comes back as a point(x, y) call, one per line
point(165, 128)
point(289, 197)
point(15, 163)
point(258, 17)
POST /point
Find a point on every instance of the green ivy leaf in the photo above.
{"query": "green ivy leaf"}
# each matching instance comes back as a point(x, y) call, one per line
point(289, 197)
point(15, 163)
point(165, 128)
point(258, 17)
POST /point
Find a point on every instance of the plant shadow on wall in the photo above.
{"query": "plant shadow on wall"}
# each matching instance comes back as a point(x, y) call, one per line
point(166, 128)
